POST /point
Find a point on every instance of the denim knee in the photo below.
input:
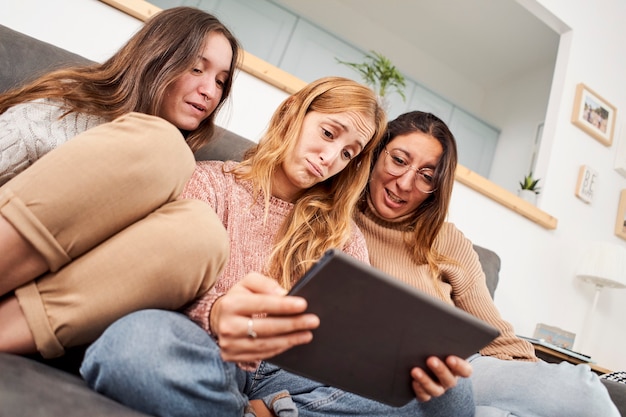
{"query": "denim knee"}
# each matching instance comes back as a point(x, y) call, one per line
point(161, 363)
point(125, 345)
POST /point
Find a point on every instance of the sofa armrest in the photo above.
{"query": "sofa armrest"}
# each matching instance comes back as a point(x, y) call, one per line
point(490, 261)
point(29, 388)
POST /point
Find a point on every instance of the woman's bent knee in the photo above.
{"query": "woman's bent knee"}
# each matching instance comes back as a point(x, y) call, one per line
point(128, 168)
point(162, 363)
point(127, 343)
point(165, 261)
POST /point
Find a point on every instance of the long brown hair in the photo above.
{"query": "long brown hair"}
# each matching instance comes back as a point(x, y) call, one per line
point(134, 78)
point(429, 217)
point(322, 217)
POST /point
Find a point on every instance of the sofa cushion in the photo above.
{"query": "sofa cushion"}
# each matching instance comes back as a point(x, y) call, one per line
point(225, 145)
point(617, 391)
point(24, 58)
point(31, 389)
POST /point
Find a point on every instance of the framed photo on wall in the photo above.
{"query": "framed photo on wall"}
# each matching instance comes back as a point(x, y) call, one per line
point(620, 221)
point(586, 184)
point(594, 115)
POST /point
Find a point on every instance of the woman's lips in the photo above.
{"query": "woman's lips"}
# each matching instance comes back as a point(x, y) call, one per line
point(394, 199)
point(316, 170)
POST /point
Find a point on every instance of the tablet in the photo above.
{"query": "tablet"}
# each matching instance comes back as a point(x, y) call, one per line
point(374, 329)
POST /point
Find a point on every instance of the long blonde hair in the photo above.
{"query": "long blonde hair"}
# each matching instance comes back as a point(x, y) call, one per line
point(322, 217)
point(135, 78)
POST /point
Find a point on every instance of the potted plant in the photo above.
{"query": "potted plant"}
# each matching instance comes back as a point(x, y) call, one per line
point(529, 189)
point(379, 73)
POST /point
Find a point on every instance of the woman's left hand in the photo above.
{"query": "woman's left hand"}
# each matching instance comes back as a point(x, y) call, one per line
point(447, 374)
point(255, 320)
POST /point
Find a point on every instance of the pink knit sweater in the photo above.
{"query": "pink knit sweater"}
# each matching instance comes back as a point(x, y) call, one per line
point(251, 237)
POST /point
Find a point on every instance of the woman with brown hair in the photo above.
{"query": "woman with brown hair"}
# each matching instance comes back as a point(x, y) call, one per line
point(403, 217)
point(95, 157)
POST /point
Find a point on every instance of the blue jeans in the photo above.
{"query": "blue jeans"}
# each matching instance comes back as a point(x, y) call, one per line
point(161, 363)
point(533, 389)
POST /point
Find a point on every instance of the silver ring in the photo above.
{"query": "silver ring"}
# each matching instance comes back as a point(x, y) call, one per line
point(251, 333)
point(206, 98)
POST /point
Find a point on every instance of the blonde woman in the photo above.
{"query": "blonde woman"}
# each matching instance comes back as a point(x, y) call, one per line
point(290, 200)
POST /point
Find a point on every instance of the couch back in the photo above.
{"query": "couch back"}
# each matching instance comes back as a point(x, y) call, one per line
point(23, 58)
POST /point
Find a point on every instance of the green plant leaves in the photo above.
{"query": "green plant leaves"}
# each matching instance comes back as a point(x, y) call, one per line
point(379, 73)
point(529, 183)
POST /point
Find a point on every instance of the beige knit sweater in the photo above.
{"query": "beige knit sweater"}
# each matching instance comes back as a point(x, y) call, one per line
point(251, 237)
point(462, 284)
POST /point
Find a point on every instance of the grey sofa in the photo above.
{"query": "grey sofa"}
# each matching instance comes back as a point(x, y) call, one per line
point(31, 386)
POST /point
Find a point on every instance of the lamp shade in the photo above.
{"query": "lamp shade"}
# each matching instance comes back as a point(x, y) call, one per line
point(603, 264)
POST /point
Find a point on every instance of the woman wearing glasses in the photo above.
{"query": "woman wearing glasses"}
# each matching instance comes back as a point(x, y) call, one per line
point(402, 214)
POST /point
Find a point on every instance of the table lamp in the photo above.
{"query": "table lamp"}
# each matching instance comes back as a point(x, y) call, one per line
point(602, 265)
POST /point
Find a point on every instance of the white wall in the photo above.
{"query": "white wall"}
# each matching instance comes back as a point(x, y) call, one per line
point(537, 278)
point(519, 121)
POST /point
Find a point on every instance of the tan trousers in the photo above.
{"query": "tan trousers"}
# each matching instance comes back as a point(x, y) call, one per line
point(103, 212)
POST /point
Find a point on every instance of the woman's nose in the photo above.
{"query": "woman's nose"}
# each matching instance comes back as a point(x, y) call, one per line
point(406, 180)
point(208, 90)
point(329, 155)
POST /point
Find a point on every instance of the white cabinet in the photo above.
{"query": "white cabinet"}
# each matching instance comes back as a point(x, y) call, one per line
point(420, 98)
point(476, 141)
point(305, 50)
point(312, 53)
point(262, 28)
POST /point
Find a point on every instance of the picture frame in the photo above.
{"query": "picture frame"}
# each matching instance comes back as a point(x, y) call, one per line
point(586, 184)
point(594, 115)
point(620, 220)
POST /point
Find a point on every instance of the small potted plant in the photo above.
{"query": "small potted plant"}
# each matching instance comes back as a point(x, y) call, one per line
point(529, 189)
point(379, 73)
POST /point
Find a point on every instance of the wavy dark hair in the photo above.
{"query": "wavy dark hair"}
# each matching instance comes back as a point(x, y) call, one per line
point(427, 220)
point(135, 77)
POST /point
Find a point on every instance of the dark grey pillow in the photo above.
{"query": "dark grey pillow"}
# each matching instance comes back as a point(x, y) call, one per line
point(23, 58)
point(225, 145)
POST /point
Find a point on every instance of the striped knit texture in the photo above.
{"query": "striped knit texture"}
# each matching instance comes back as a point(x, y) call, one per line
point(462, 283)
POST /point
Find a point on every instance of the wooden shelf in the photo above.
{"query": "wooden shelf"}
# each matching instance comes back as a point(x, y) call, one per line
point(285, 81)
point(504, 197)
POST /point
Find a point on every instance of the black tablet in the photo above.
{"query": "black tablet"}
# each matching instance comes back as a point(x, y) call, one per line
point(374, 329)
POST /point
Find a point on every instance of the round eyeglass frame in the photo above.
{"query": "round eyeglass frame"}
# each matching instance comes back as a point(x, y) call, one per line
point(419, 176)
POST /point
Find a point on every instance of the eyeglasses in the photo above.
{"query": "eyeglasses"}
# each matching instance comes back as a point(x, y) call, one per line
point(396, 165)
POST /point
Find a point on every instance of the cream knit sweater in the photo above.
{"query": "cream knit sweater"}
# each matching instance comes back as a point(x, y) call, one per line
point(462, 284)
point(30, 130)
